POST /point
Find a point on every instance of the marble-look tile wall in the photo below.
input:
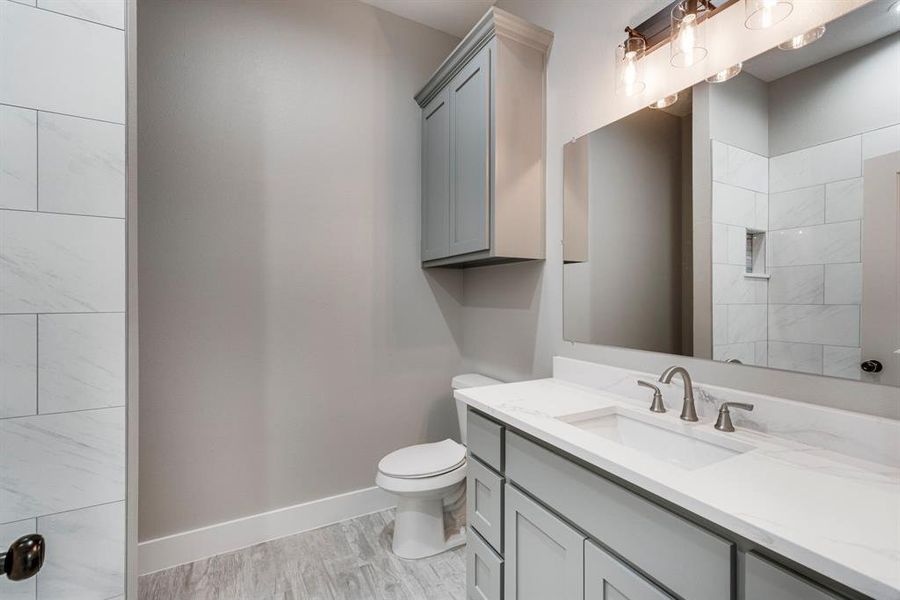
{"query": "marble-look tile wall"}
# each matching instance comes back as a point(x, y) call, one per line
point(740, 201)
point(813, 259)
point(806, 316)
point(62, 292)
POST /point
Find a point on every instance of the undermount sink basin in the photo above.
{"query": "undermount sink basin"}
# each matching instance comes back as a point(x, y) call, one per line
point(674, 443)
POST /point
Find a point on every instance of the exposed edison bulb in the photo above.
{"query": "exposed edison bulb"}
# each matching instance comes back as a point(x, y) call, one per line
point(767, 18)
point(762, 14)
point(629, 76)
point(687, 37)
point(687, 44)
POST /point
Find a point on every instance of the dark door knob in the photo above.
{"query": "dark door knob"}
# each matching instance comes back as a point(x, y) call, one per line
point(871, 366)
point(24, 558)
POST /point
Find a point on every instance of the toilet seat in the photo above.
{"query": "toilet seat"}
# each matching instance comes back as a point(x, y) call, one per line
point(423, 461)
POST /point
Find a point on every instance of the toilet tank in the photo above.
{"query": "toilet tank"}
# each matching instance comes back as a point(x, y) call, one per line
point(468, 380)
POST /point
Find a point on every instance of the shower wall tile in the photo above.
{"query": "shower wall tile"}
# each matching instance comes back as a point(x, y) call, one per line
point(742, 169)
point(731, 287)
point(806, 358)
point(844, 200)
point(746, 353)
point(82, 166)
point(61, 263)
point(797, 208)
point(841, 361)
point(106, 12)
point(881, 141)
point(81, 361)
point(719, 161)
point(88, 558)
point(720, 324)
point(761, 353)
point(18, 158)
point(817, 244)
point(719, 243)
point(737, 246)
point(843, 284)
point(836, 325)
point(762, 211)
point(53, 62)
point(746, 323)
point(733, 205)
point(17, 590)
point(841, 159)
point(18, 366)
point(797, 285)
point(55, 463)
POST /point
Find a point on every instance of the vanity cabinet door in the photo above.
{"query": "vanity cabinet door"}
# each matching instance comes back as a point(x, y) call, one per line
point(544, 556)
point(764, 580)
point(436, 177)
point(470, 113)
point(605, 578)
point(484, 503)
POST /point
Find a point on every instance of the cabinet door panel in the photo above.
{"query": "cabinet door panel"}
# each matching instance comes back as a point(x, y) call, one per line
point(484, 503)
point(436, 178)
point(470, 95)
point(764, 580)
point(605, 578)
point(544, 556)
point(484, 570)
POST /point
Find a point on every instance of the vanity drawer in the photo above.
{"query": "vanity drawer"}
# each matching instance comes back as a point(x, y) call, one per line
point(484, 503)
point(764, 580)
point(485, 440)
point(681, 556)
point(484, 570)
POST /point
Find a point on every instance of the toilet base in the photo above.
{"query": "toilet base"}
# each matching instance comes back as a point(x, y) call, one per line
point(419, 528)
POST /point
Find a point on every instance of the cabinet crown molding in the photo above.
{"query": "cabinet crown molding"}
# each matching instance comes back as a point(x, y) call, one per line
point(495, 22)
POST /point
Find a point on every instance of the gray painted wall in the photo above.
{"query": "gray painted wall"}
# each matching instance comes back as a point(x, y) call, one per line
point(512, 318)
point(642, 215)
point(289, 338)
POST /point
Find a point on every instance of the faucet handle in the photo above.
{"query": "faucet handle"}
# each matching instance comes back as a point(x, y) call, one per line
point(657, 405)
point(723, 423)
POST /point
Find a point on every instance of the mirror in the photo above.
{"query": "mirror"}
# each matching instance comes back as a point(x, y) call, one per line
point(755, 220)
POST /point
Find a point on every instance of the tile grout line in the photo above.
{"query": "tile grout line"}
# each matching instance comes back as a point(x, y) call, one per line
point(62, 214)
point(63, 412)
point(62, 512)
point(56, 112)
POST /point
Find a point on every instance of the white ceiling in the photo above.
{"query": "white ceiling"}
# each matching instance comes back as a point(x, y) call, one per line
point(455, 17)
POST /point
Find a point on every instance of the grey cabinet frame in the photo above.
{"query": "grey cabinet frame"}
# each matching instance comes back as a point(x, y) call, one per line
point(555, 537)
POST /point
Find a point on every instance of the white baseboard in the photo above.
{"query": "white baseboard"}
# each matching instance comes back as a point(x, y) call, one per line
point(180, 548)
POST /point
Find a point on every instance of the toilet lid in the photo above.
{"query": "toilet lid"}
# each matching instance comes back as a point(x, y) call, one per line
point(424, 460)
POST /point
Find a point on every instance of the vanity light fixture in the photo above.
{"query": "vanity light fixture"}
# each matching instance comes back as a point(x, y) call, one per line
point(804, 39)
point(665, 102)
point(726, 74)
point(762, 14)
point(688, 43)
point(629, 68)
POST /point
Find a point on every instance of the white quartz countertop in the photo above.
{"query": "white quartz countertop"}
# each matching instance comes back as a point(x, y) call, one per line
point(837, 515)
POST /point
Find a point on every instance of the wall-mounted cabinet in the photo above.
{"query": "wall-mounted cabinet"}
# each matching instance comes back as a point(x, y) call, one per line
point(483, 147)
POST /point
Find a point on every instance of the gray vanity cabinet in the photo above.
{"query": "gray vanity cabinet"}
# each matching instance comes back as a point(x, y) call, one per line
point(436, 177)
point(470, 107)
point(544, 556)
point(483, 149)
point(605, 578)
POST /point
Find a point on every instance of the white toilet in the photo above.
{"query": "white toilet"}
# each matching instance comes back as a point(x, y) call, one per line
point(423, 477)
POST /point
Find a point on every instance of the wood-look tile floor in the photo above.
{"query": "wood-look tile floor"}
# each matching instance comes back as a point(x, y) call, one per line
point(351, 560)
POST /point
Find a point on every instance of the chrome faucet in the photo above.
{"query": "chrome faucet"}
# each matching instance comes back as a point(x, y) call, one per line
point(688, 410)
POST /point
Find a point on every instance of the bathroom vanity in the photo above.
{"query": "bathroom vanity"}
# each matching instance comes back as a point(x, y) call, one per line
point(577, 491)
